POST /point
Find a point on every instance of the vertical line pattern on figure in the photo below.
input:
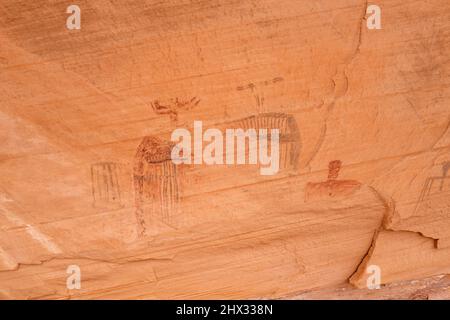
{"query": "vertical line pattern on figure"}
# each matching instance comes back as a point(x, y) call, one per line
point(105, 183)
point(290, 142)
point(160, 188)
point(138, 180)
point(445, 169)
point(116, 177)
point(111, 181)
point(156, 183)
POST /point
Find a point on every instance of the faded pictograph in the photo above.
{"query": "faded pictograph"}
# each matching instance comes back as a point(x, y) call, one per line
point(332, 188)
point(173, 106)
point(290, 139)
point(257, 90)
point(156, 184)
point(105, 185)
point(435, 192)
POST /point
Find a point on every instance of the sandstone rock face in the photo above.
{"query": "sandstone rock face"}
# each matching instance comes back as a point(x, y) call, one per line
point(88, 182)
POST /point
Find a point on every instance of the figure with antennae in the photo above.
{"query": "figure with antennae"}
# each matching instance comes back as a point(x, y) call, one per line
point(258, 93)
point(290, 140)
point(433, 191)
point(174, 106)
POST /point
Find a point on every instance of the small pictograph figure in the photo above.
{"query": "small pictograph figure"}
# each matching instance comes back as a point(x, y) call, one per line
point(332, 188)
point(258, 93)
point(105, 185)
point(173, 107)
point(434, 195)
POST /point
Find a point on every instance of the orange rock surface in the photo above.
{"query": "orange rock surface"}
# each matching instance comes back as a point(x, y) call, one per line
point(86, 180)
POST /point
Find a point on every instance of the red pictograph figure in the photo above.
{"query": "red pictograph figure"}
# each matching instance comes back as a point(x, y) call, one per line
point(155, 183)
point(332, 188)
